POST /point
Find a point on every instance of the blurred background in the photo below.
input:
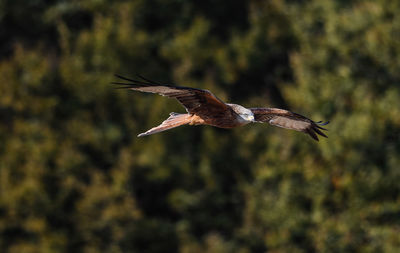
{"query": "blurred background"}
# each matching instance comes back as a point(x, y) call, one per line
point(75, 178)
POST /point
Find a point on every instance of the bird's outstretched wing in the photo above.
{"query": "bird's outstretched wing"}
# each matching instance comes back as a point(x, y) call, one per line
point(196, 101)
point(289, 120)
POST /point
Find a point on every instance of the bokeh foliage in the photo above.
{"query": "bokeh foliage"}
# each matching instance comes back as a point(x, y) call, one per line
point(74, 177)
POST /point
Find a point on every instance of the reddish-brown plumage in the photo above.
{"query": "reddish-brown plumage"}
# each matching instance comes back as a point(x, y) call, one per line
point(203, 108)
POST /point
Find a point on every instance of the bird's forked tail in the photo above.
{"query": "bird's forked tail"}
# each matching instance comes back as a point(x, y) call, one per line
point(174, 120)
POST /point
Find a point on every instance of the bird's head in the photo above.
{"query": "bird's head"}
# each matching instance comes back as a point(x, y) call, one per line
point(246, 114)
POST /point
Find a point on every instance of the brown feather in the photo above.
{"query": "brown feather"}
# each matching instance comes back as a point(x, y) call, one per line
point(289, 120)
point(174, 120)
point(196, 101)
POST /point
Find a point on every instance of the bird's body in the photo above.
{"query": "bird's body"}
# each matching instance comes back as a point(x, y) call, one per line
point(203, 108)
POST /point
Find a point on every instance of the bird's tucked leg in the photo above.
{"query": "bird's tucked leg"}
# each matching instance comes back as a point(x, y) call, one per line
point(174, 120)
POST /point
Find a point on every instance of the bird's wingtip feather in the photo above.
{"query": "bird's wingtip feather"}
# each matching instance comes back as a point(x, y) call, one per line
point(319, 132)
point(312, 134)
point(322, 123)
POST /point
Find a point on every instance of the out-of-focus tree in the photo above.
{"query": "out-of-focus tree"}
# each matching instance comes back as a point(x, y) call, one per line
point(74, 177)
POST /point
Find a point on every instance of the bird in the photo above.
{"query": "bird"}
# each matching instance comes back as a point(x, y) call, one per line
point(204, 108)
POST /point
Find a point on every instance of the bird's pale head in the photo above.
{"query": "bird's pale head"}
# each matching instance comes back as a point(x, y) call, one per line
point(248, 116)
point(243, 112)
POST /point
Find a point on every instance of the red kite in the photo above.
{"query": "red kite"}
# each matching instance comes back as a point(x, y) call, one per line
point(203, 108)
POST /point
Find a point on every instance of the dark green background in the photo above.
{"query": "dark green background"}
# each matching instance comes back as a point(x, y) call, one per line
point(75, 178)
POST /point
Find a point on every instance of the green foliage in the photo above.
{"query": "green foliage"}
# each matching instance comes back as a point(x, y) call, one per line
point(74, 177)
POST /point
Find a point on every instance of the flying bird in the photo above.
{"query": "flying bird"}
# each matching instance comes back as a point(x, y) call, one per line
point(204, 108)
